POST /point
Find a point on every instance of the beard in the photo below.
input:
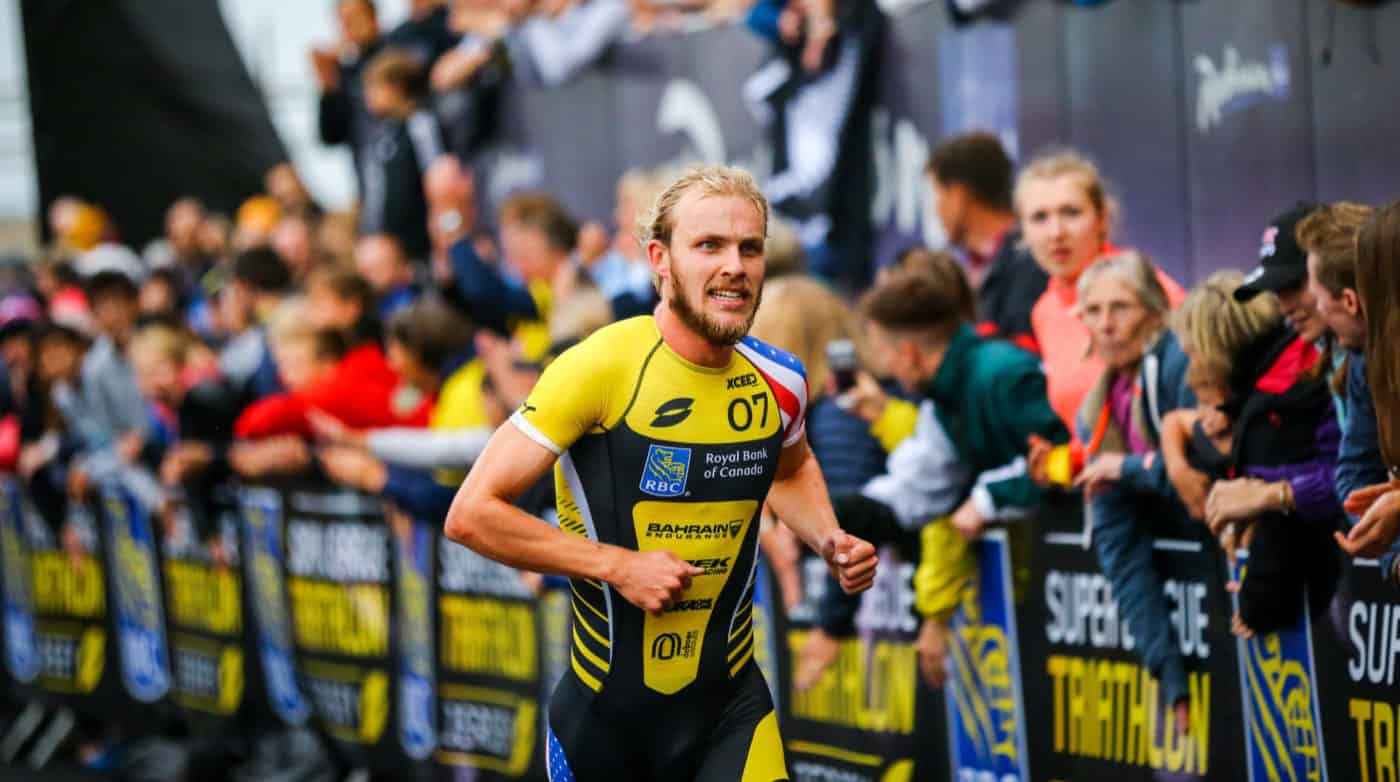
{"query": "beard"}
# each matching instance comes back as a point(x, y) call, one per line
point(710, 329)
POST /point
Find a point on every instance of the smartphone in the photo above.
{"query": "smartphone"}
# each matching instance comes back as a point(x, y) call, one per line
point(841, 357)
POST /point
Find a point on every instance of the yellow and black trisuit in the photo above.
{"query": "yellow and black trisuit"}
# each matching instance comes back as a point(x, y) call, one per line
point(658, 453)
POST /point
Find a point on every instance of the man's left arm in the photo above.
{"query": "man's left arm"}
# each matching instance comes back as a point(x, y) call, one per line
point(800, 500)
point(1022, 407)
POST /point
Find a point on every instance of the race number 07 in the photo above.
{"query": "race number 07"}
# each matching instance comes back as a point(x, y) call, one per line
point(741, 412)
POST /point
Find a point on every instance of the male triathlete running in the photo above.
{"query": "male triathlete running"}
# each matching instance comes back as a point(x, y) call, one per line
point(669, 431)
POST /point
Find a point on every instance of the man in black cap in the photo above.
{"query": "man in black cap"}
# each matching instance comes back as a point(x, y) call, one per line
point(1283, 269)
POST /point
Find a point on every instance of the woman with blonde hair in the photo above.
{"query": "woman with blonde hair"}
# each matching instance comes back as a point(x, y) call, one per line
point(1066, 216)
point(1271, 478)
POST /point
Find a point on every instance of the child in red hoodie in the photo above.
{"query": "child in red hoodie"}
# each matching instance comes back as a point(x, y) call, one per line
point(357, 387)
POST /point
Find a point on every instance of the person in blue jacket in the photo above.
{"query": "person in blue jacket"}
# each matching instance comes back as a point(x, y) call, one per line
point(1126, 310)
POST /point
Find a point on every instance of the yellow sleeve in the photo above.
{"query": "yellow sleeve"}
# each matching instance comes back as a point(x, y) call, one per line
point(459, 402)
point(896, 423)
point(572, 397)
point(945, 570)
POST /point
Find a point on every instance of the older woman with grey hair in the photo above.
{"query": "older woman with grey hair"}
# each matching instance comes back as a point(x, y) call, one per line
point(1124, 307)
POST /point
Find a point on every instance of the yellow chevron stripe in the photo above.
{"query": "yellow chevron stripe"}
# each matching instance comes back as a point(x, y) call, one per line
point(587, 654)
point(748, 620)
point(743, 660)
point(587, 678)
point(747, 643)
point(600, 639)
point(585, 602)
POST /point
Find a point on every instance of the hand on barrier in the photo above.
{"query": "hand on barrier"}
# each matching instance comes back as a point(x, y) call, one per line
point(1231, 541)
point(1105, 470)
point(130, 445)
point(932, 650)
point(1377, 529)
point(284, 454)
point(329, 428)
point(852, 561)
point(79, 484)
point(353, 468)
point(1239, 500)
point(817, 654)
point(968, 521)
point(652, 580)
point(1360, 501)
point(184, 460)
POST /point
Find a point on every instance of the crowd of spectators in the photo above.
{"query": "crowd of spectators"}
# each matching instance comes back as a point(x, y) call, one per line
point(1032, 361)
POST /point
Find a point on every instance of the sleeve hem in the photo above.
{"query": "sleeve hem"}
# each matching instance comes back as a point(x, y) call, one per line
point(533, 432)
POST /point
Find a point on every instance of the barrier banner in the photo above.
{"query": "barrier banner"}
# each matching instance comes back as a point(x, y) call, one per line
point(137, 611)
point(340, 590)
point(414, 546)
point(490, 655)
point(260, 511)
point(77, 659)
point(1098, 710)
point(1283, 732)
point(1357, 669)
point(18, 538)
point(986, 712)
point(205, 616)
point(856, 723)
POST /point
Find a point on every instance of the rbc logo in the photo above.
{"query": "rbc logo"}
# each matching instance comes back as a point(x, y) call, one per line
point(665, 471)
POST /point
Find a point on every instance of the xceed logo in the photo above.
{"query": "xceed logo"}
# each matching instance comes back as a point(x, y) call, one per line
point(668, 646)
point(665, 471)
point(741, 381)
point(696, 531)
point(673, 411)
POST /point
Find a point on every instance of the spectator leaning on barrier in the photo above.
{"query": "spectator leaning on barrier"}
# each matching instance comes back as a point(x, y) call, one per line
point(1378, 284)
point(109, 386)
point(996, 395)
point(1272, 479)
point(972, 184)
point(1328, 235)
point(1131, 500)
point(258, 283)
point(1066, 215)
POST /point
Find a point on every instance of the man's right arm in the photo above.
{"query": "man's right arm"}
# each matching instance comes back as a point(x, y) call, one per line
point(483, 519)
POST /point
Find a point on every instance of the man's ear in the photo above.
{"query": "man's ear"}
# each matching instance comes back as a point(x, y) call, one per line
point(1351, 302)
point(659, 256)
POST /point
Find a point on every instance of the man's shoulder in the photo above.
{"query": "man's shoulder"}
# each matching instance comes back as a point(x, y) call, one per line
point(614, 347)
point(997, 360)
point(764, 354)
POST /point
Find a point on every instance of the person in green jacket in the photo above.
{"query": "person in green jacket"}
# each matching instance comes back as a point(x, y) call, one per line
point(989, 398)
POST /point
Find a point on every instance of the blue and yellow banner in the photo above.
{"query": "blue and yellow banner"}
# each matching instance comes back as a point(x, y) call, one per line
point(986, 718)
point(17, 586)
point(261, 511)
point(139, 612)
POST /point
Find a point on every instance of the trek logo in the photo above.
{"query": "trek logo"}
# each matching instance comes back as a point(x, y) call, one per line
point(712, 567)
point(742, 381)
point(672, 412)
point(697, 531)
point(668, 646)
point(702, 604)
point(665, 471)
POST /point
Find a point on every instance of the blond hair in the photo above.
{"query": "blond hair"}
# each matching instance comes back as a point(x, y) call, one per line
point(161, 340)
point(1329, 233)
point(710, 181)
point(800, 315)
point(1213, 327)
point(1068, 163)
point(1137, 272)
point(581, 313)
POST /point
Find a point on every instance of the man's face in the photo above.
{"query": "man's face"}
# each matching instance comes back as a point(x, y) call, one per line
point(357, 22)
point(379, 261)
point(527, 250)
point(326, 310)
point(1299, 308)
point(1342, 314)
point(712, 271)
point(182, 224)
point(950, 201)
point(895, 356)
point(115, 314)
point(156, 375)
